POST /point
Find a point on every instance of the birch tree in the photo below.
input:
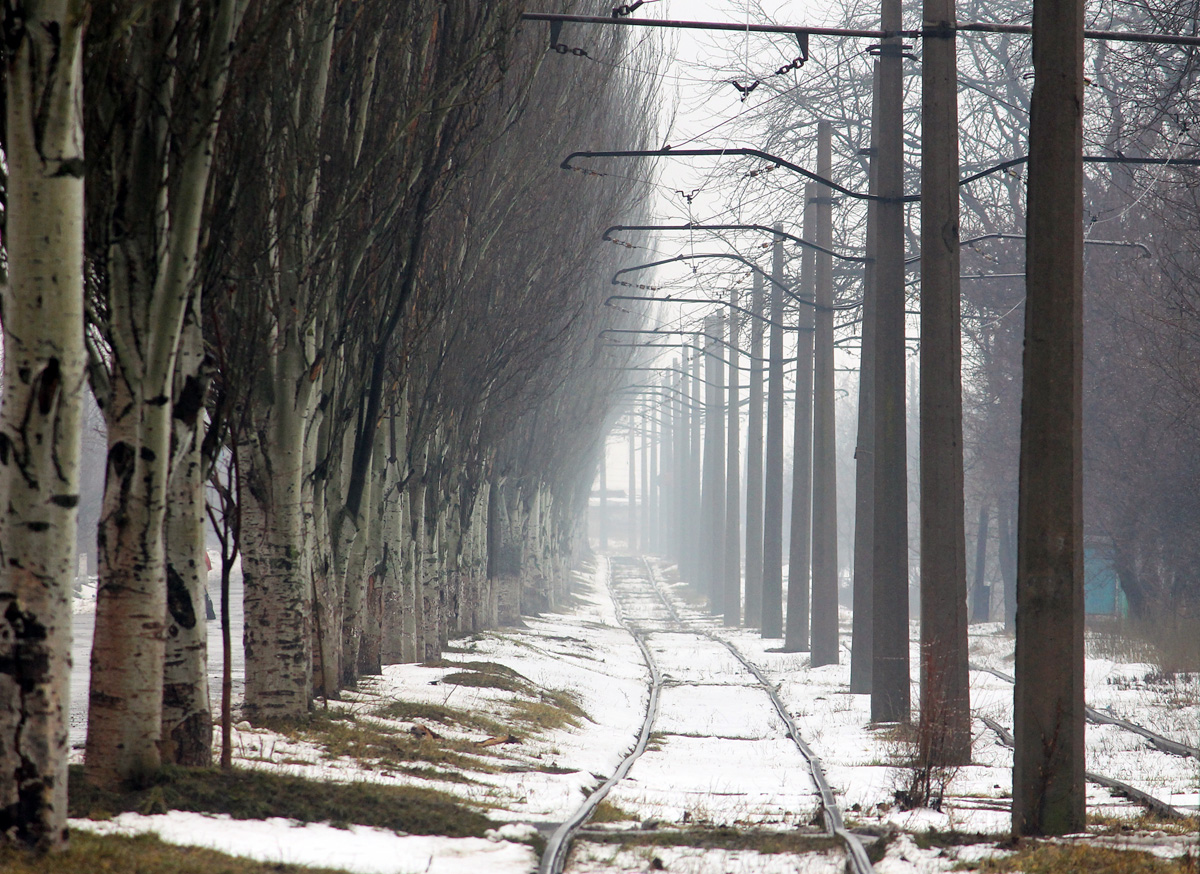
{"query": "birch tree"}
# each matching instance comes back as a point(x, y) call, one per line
point(40, 418)
point(156, 81)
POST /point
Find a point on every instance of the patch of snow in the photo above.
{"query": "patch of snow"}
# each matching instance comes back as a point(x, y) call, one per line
point(356, 849)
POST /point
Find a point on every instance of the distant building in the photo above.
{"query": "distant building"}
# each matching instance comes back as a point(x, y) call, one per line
point(1102, 595)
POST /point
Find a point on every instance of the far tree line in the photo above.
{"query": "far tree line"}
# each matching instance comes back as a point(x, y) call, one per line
point(317, 257)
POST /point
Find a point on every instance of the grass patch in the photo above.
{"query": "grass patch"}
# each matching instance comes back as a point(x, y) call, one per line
point(145, 854)
point(486, 680)
point(1146, 821)
point(656, 741)
point(554, 710)
point(1048, 858)
point(410, 711)
point(1169, 641)
point(931, 839)
point(255, 794)
point(344, 736)
point(766, 842)
point(606, 811)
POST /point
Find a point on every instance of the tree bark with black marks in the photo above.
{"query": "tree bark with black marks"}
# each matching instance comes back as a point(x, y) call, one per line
point(41, 413)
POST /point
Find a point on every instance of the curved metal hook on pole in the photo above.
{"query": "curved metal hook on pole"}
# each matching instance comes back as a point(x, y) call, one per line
point(752, 153)
point(731, 256)
point(1120, 244)
point(667, 392)
point(666, 370)
point(695, 226)
point(1087, 159)
point(680, 332)
point(791, 362)
point(608, 302)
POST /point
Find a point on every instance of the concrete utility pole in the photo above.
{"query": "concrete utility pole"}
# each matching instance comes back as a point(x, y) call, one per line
point(945, 730)
point(754, 462)
point(799, 546)
point(713, 500)
point(890, 701)
point(633, 527)
point(1048, 763)
point(732, 600)
point(647, 481)
point(772, 618)
point(824, 543)
point(663, 473)
point(680, 470)
point(864, 454)
point(648, 498)
point(696, 532)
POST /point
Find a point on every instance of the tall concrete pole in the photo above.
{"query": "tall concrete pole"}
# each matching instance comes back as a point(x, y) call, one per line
point(680, 471)
point(731, 603)
point(754, 462)
point(864, 453)
point(696, 533)
point(633, 526)
point(800, 542)
point(772, 618)
point(890, 699)
point(644, 514)
point(824, 544)
point(1048, 763)
point(825, 464)
point(652, 497)
point(945, 729)
point(713, 499)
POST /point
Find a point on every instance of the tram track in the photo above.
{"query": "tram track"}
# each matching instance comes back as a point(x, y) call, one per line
point(1117, 787)
point(558, 846)
point(1099, 717)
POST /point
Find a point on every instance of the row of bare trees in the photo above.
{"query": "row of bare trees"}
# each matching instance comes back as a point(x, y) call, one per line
point(321, 256)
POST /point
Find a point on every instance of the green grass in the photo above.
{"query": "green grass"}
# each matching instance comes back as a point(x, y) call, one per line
point(342, 735)
point(255, 794)
point(1146, 821)
point(552, 710)
point(145, 854)
point(1048, 858)
point(937, 839)
point(766, 842)
point(606, 811)
point(438, 714)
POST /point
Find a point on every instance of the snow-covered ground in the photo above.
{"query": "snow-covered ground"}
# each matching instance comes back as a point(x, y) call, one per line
point(717, 758)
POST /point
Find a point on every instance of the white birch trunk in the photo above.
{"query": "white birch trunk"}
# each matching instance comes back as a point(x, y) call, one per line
point(41, 414)
point(392, 547)
point(326, 621)
point(278, 594)
point(187, 712)
point(410, 635)
point(150, 266)
point(430, 591)
point(370, 650)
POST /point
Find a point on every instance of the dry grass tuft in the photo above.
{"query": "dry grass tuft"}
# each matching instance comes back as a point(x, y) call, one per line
point(145, 854)
point(258, 794)
point(1056, 858)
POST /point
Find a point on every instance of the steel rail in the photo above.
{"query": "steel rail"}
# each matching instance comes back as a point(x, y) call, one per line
point(1155, 805)
point(1099, 717)
point(554, 857)
point(856, 855)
